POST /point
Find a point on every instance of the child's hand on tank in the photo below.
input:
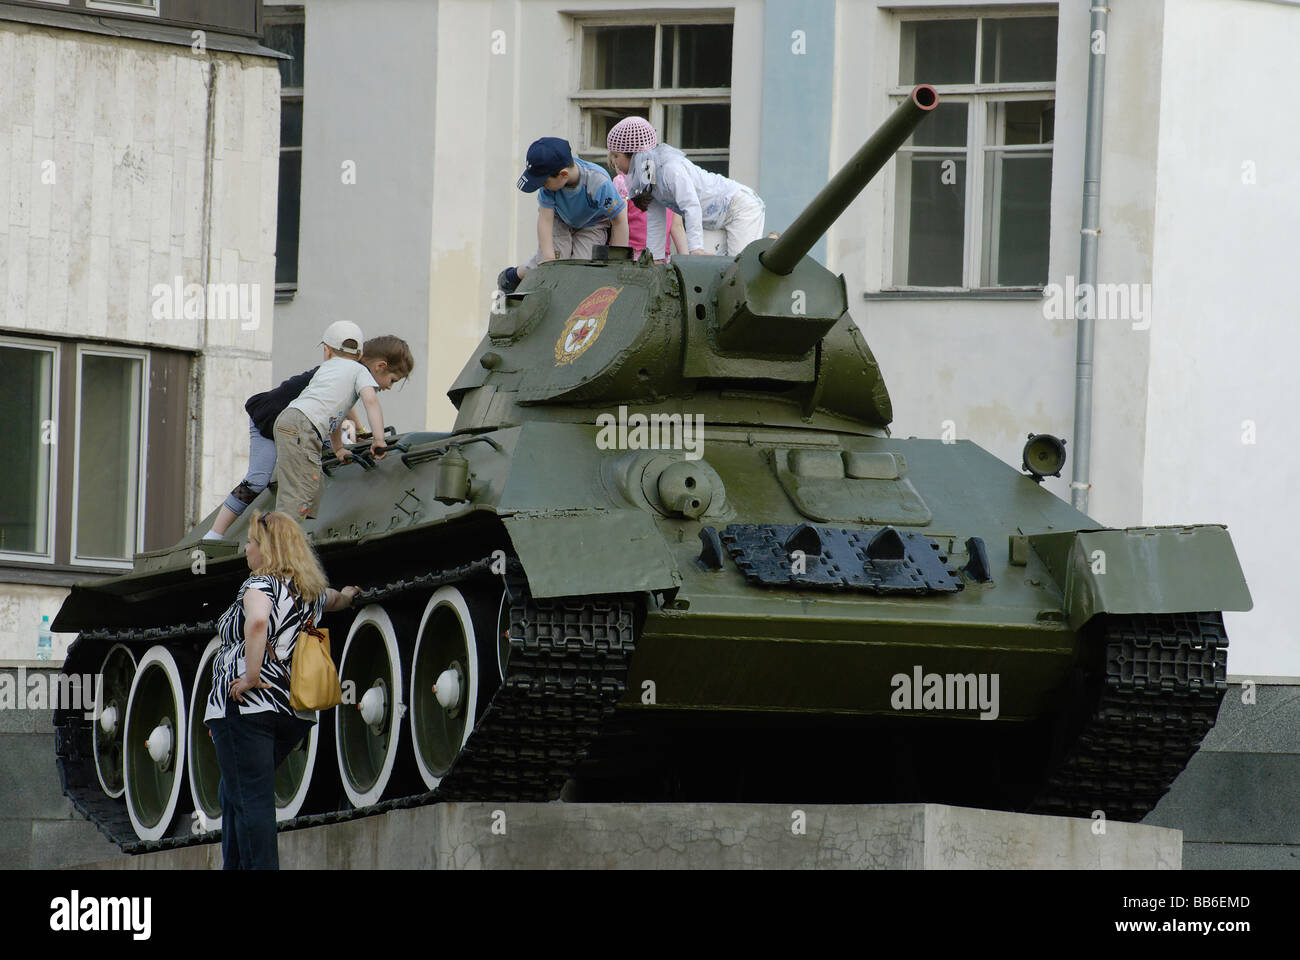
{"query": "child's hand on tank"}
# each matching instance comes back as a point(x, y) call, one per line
point(350, 594)
point(343, 455)
point(379, 449)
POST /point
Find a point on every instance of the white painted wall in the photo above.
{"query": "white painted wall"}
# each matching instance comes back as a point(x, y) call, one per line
point(1226, 337)
point(368, 97)
point(125, 124)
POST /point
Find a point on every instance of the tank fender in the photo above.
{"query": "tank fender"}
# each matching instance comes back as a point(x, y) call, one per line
point(1144, 570)
point(567, 553)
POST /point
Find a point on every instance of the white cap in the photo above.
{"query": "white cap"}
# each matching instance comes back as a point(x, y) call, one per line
point(345, 337)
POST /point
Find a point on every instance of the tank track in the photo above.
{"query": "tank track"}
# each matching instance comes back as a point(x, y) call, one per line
point(567, 669)
point(1165, 676)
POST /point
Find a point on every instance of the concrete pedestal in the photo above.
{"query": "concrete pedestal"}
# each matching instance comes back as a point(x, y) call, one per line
point(908, 836)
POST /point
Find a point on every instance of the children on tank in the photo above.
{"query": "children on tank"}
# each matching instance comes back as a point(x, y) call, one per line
point(318, 412)
point(381, 355)
point(659, 176)
point(577, 207)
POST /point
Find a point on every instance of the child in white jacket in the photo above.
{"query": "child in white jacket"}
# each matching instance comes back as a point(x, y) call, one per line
point(660, 176)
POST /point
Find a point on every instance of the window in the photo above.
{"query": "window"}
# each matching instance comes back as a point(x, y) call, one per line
point(286, 31)
point(973, 187)
point(676, 75)
point(109, 442)
point(125, 6)
point(96, 468)
point(30, 374)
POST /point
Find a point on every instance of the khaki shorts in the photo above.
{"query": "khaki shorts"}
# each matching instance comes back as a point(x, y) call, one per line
point(571, 244)
point(297, 465)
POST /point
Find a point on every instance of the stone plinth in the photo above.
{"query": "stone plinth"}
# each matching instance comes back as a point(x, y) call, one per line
point(905, 836)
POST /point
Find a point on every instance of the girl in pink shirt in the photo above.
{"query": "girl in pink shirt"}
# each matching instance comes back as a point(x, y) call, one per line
point(636, 225)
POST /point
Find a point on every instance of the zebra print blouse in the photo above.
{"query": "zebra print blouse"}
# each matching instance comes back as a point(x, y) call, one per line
point(286, 620)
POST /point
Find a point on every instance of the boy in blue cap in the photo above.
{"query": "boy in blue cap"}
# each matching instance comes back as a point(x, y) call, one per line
point(577, 207)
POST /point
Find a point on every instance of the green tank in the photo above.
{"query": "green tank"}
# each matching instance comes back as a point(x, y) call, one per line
point(670, 551)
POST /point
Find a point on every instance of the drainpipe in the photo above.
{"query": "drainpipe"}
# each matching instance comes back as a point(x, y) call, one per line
point(1091, 231)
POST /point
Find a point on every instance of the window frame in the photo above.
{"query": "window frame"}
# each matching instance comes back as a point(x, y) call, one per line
point(655, 100)
point(141, 466)
point(281, 15)
point(51, 347)
point(976, 234)
point(126, 6)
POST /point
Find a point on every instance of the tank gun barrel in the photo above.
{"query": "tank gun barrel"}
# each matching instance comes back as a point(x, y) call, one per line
point(816, 218)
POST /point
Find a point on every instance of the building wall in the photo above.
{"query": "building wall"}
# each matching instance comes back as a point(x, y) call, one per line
point(364, 247)
point(125, 124)
point(1224, 337)
point(798, 83)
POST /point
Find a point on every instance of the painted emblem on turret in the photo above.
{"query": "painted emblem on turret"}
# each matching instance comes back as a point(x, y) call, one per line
point(584, 325)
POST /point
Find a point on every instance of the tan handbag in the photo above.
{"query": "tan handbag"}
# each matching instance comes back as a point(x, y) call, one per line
point(313, 679)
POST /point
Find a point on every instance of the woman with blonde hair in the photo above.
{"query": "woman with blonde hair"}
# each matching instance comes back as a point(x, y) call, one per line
point(253, 726)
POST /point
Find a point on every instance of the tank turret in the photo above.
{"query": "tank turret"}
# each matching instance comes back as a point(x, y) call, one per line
point(582, 336)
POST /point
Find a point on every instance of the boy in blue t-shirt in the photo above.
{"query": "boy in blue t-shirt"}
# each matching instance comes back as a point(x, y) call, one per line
point(577, 208)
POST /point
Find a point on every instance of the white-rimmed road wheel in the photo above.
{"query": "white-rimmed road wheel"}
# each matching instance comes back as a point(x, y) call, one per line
point(368, 729)
point(445, 682)
point(293, 778)
point(155, 739)
point(201, 757)
point(116, 672)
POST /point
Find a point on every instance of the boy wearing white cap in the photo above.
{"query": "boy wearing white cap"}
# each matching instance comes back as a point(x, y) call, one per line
point(660, 176)
point(318, 413)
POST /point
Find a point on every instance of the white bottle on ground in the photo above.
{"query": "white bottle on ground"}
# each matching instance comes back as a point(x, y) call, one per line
point(44, 642)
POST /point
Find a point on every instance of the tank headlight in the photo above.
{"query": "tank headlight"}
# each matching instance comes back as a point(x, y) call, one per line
point(1043, 456)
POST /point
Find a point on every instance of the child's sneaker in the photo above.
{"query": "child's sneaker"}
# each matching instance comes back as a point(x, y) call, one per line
point(508, 279)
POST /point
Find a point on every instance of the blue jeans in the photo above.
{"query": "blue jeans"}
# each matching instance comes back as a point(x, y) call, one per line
point(249, 749)
point(261, 464)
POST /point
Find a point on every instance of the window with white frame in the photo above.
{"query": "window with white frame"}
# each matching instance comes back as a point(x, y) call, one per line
point(110, 442)
point(675, 72)
point(97, 459)
point(125, 6)
point(29, 371)
point(973, 185)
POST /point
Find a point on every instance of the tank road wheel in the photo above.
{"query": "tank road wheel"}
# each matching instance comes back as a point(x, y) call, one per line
point(503, 635)
point(154, 743)
point(293, 777)
point(117, 671)
point(446, 677)
point(369, 723)
point(201, 758)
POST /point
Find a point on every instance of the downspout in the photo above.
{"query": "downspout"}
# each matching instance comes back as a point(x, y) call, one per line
point(1091, 237)
point(198, 381)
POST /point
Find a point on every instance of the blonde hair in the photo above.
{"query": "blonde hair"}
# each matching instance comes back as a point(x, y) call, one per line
point(287, 554)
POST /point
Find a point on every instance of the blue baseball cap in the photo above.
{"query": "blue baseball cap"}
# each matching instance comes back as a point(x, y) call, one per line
point(546, 157)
